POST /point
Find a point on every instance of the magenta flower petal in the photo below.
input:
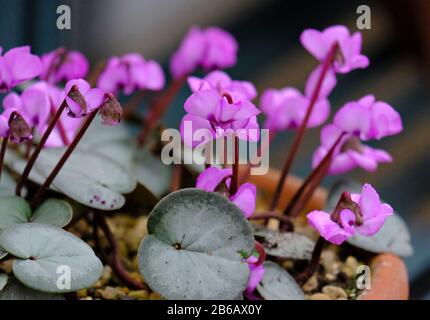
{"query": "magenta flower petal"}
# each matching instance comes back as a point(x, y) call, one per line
point(190, 124)
point(245, 198)
point(327, 228)
point(209, 179)
point(203, 103)
point(353, 118)
point(4, 126)
point(221, 49)
point(319, 114)
point(327, 86)
point(154, 77)
point(313, 41)
point(255, 275)
point(385, 121)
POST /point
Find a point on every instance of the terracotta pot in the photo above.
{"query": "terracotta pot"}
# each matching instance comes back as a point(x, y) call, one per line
point(389, 277)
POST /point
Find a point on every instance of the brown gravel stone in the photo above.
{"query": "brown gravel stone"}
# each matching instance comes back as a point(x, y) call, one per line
point(334, 292)
point(319, 296)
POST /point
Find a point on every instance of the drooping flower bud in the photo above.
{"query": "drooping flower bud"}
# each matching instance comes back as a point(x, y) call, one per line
point(111, 111)
point(19, 130)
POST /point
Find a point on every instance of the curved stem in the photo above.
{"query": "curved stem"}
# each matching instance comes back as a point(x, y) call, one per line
point(157, 110)
point(3, 152)
point(300, 133)
point(115, 261)
point(313, 264)
point(37, 197)
point(304, 193)
point(38, 149)
point(235, 177)
point(95, 73)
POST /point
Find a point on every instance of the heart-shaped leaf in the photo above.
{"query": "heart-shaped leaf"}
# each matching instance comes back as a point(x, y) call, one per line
point(50, 259)
point(14, 290)
point(54, 212)
point(286, 245)
point(7, 185)
point(393, 237)
point(278, 284)
point(87, 177)
point(13, 210)
point(195, 248)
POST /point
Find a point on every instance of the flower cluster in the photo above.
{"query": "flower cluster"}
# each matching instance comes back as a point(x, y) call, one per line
point(363, 213)
point(129, 73)
point(210, 48)
point(362, 120)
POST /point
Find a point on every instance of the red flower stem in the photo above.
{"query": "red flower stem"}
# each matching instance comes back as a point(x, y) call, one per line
point(300, 133)
point(261, 253)
point(115, 261)
point(304, 193)
point(60, 127)
point(286, 221)
point(38, 196)
point(261, 150)
point(132, 105)
point(36, 152)
point(313, 264)
point(157, 110)
point(3, 152)
point(176, 178)
point(235, 177)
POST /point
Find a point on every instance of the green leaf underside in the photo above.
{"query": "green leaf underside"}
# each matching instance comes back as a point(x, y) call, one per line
point(278, 284)
point(42, 249)
point(193, 247)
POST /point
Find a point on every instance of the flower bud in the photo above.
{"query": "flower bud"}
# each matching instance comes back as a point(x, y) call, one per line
point(19, 130)
point(111, 111)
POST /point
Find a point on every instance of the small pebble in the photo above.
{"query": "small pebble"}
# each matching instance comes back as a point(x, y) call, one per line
point(288, 264)
point(83, 293)
point(334, 292)
point(311, 284)
point(111, 293)
point(155, 296)
point(319, 296)
point(139, 294)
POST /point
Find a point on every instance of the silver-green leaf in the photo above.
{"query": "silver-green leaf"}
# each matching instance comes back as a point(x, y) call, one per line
point(195, 248)
point(47, 256)
point(278, 284)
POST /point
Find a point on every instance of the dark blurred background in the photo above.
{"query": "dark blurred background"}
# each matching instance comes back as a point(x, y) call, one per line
point(270, 55)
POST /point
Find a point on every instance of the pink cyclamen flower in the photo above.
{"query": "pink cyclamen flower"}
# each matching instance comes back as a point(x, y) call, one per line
point(17, 66)
point(129, 73)
point(219, 116)
point(363, 213)
point(349, 57)
point(349, 154)
point(212, 178)
point(14, 127)
point(286, 108)
point(256, 273)
point(210, 48)
point(81, 99)
point(62, 65)
point(35, 104)
point(221, 82)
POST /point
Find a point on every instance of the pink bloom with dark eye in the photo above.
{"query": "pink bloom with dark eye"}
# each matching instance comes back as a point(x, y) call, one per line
point(221, 82)
point(35, 104)
point(81, 99)
point(17, 66)
point(244, 198)
point(129, 73)
point(349, 56)
point(62, 65)
point(372, 214)
point(286, 108)
point(219, 116)
point(210, 48)
point(351, 152)
point(256, 273)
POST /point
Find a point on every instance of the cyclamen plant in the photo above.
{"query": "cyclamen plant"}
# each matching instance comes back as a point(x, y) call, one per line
point(201, 242)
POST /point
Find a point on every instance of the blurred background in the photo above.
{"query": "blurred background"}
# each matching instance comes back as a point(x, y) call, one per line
point(398, 45)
